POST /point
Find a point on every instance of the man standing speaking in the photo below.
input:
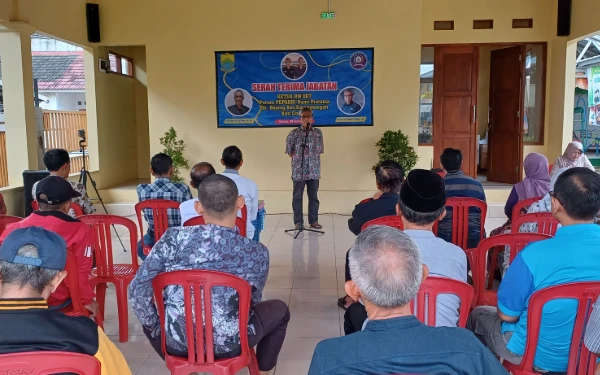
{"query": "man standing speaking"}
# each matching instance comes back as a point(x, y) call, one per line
point(305, 146)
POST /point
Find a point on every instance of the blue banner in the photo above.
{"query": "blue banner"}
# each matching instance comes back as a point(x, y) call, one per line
point(269, 88)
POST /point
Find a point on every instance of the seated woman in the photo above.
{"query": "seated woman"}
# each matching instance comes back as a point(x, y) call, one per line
point(573, 157)
point(535, 184)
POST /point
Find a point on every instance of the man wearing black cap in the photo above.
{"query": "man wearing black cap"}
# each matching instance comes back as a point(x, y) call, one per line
point(32, 263)
point(422, 202)
point(54, 196)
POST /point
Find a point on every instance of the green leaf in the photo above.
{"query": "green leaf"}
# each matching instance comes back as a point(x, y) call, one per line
point(174, 148)
point(395, 145)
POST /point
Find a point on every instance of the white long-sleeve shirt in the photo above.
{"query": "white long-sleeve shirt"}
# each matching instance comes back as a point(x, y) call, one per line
point(249, 190)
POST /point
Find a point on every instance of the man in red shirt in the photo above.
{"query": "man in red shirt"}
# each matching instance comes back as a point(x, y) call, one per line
point(54, 195)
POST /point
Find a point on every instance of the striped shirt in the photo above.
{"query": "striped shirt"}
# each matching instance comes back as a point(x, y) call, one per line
point(458, 185)
point(592, 332)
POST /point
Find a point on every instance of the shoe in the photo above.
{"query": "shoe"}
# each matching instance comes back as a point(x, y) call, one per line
point(299, 226)
point(316, 226)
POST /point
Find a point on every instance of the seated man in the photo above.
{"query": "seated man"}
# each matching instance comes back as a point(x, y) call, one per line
point(161, 167)
point(54, 196)
point(199, 172)
point(389, 175)
point(217, 247)
point(459, 185)
point(232, 161)
point(58, 163)
point(422, 202)
point(32, 263)
point(570, 256)
point(387, 272)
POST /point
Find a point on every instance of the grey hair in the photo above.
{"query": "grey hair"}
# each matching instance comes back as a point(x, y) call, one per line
point(36, 278)
point(419, 218)
point(385, 265)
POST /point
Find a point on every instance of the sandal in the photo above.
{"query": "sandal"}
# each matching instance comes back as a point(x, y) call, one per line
point(316, 226)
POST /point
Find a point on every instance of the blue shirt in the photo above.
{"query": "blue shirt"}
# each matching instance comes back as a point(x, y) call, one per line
point(459, 185)
point(351, 108)
point(571, 256)
point(404, 346)
point(445, 260)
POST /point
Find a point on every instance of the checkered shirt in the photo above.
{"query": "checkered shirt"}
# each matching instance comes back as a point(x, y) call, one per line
point(164, 188)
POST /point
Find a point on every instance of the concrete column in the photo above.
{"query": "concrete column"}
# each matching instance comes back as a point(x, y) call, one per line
point(560, 95)
point(17, 86)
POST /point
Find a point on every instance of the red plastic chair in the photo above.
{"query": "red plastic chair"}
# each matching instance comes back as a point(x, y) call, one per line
point(198, 283)
point(106, 271)
point(431, 288)
point(6, 220)
point(240, 224)
point(460, 219)
point(159, 209)
point(581, 361)
point(76, 307)
point(478, 259)
point(523, 206)
point(45, 363)
point(392, 221)
point(546, 222)
point(550, 168)
point(74, 206)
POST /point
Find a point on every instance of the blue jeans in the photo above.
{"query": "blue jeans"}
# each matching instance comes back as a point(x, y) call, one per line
point(148, 241)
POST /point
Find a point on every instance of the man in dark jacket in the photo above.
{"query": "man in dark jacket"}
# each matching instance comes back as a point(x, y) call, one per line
point(389, 176)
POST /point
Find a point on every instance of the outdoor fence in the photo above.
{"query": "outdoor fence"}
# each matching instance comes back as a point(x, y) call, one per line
point(60, 131)
point(61, 127)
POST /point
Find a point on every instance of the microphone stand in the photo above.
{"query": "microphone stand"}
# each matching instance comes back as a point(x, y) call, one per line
point(302, 228)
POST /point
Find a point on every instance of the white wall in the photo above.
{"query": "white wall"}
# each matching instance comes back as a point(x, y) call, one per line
point(64, 101)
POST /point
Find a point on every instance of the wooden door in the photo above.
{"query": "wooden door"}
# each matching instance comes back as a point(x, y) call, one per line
point(455, 104)
point(505, 131)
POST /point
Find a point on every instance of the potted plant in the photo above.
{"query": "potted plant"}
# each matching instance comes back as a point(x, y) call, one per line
point(394, 145)
point(174, 148)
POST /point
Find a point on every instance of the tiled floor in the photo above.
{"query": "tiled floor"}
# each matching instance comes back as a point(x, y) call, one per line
point(307, 274)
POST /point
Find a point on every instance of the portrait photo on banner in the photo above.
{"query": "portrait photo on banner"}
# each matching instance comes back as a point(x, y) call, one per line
point(266, 89)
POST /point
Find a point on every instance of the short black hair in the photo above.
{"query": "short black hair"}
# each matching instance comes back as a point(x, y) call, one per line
point(389, 175)
point(218, 195)
point(232, 157)
point(419, 218)
point(578, 191)
point(161, 163)
point(451, 159)
point(199, 172)
point(54, 159)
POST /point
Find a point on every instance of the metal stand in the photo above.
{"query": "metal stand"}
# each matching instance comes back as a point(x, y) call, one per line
point(85, 174)
point(302, 228)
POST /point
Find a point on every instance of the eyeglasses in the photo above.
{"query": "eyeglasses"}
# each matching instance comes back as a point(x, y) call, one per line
point(306, 116)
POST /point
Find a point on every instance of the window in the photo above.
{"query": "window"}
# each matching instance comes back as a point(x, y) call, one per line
point(426, 97)
point(120, 64)
point(533, 94)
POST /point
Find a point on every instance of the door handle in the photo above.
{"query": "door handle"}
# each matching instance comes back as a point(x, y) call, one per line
point(474, 112)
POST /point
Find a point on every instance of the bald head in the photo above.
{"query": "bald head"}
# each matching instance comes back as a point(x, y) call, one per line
point(199, 172)
point(386, 266)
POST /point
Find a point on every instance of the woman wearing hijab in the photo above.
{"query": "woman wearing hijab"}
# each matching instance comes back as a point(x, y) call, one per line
point(535, 184)
point(573, 157)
